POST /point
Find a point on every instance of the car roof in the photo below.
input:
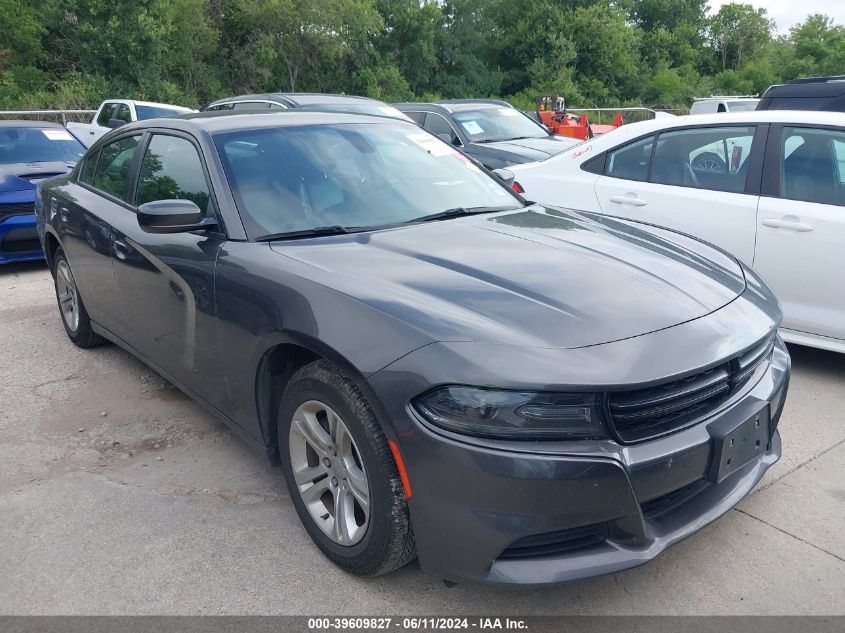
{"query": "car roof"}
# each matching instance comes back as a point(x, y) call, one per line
point(452, 105)
point(234, 120)
point(820, 87)
point(797, 117)
point(293, 98)
point(22, 123)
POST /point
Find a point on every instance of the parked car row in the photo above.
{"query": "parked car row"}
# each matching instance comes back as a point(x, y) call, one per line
point(512, 391)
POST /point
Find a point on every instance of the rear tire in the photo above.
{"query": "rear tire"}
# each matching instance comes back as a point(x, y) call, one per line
point(71, 308)
point(328, 433)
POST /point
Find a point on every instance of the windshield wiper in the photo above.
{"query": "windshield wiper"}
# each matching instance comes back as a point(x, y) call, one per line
point(458, 212)
point(315, 232)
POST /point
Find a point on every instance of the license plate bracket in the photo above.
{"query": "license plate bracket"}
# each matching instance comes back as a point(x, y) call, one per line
point(736, 444)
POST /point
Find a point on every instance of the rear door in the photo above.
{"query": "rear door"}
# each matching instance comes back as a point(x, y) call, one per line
point(801, 229)
point(703, 181)
point(87, 213)
point(166, 281)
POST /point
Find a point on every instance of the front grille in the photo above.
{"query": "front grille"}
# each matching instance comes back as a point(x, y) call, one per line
point(556, 543)
point(17, 208)
point(643, 414)
point(661, 505)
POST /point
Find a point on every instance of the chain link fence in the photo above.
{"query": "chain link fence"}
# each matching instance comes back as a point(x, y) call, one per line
point(55, 116)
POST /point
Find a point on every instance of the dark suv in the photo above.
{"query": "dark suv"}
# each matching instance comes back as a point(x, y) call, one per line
point(815, 93)
point(492, 132)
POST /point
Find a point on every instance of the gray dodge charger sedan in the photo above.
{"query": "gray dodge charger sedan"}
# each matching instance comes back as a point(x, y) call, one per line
point(513, 393)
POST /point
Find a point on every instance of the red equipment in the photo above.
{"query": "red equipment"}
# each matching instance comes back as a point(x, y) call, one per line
point(551, 111)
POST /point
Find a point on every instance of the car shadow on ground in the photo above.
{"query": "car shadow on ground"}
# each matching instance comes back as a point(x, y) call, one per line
point(821, 361)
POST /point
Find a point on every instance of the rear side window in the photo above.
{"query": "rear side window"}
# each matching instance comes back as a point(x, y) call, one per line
point(813, 165)
point(172, 170)
point(631, 161)
point(111, 175)
point(703, 158)
point(106, 114)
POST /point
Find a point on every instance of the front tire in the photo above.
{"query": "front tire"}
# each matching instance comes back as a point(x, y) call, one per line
point(71, 308)
point(341, 474)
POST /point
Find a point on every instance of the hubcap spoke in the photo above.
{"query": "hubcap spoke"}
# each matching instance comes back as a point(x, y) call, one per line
point(309, 474)
point(325, 459)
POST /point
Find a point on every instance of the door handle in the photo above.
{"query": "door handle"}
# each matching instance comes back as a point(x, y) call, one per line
point(633, 201)
point(121, 250)
point(786, 224)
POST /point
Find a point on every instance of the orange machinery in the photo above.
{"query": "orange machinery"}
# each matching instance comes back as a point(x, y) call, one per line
point(551, 111)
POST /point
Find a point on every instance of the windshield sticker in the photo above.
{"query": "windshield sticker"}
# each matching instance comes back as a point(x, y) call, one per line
point(508, 112)
point(58, 135)
point(472, 127)
point(432, 145)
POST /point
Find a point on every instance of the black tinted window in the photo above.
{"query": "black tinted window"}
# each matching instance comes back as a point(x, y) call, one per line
point(631, 162)
point(416, 117)
point(440, 127)
point(172, 170)
point(87, 173)
point(122, 113)
point(106, 114)
point(813, 165)
point(112, 172)
point(704, 158)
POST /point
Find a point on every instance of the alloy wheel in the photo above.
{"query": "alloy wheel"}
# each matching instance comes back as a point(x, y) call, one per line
point(329, 473)
point(68, 296)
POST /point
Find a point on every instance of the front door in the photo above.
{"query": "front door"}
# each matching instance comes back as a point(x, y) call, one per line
point(166, 281)
point(801, 228)
point(691, 180)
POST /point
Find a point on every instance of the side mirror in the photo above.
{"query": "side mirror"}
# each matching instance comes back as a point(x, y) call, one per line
point(116, 123)
point(172, 216)
point(505, 176)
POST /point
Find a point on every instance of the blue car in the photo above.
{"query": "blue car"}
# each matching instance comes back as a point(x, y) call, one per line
point(30, 151)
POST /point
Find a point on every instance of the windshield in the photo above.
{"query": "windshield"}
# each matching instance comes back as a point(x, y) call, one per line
point(154, 112)
point(497, 124)
point(357, 175)
point(38, 145)
point(747, 105)
point(379, 109)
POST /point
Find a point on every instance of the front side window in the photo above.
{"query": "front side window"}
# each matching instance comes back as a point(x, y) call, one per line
point(704, 158)
point(357, 175)
point(172, 170)
point(123, 113)
point(498, 124)
point(111, 175)
point(440, 127)
point(631, 161)
point(813, 165)
point(106, 113)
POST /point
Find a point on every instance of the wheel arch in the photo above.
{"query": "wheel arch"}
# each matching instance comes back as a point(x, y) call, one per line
point(51, 245)
point(284, 353)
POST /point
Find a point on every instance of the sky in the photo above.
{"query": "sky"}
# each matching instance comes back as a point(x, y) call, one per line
point(788, 13)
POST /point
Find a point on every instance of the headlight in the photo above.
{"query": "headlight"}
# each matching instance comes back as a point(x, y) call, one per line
point(513, 414)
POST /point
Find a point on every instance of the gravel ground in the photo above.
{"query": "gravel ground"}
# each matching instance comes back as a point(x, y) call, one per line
point(119, 495)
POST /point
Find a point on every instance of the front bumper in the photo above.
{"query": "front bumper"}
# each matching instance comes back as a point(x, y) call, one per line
point(19, 239)
point(473, 503)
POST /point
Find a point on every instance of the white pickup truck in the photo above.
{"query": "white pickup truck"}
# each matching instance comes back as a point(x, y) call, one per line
point(116, 112)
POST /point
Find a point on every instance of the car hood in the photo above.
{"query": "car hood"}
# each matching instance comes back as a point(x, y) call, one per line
point(539, 277)
point(531, 149)
point(25, 176)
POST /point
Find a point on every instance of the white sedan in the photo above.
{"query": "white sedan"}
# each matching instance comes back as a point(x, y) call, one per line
point(767, 186)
